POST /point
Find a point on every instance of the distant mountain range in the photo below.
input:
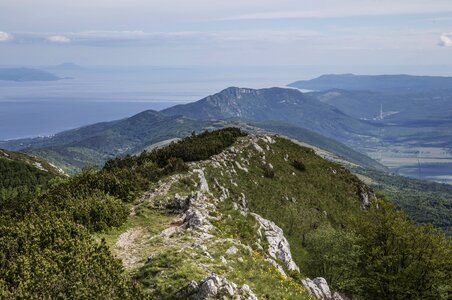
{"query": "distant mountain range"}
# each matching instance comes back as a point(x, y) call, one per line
point(413, 137)
point(395, 108)
point(276, 104)
point(26, 74)
point(95, 144)
point(381, 83)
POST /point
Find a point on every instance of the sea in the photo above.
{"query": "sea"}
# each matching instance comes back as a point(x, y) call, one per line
point(89, 95)
point(99, 94)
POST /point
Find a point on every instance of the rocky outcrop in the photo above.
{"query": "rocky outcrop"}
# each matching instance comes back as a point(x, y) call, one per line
point(318, 287)
point(203, 186)
point(365, 194)
point(215, 287)
point(278, 246)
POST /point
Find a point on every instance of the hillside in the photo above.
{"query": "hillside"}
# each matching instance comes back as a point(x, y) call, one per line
point(276, 104)
point(424, 201)
point(94, 144)
point(315, 140)
point(221, 214)
point(387, 83)
point(21, 173)
point(26, 74)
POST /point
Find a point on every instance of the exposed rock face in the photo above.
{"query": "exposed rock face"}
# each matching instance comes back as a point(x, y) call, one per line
point(224, 191)
point(257, 147)
point(365, 194)
point(232, 251)
point(203, 186)
point(214, 287)
point(268, 139)
point(278, 246)
point(319, 288)
point(180, 203)
point(240, 167)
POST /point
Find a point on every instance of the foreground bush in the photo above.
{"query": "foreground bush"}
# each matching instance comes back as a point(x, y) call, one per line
point(47, 257)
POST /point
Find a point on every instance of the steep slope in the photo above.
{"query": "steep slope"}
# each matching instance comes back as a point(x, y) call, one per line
point(387, 83)
point(277, 104)
point(424, 201)
point(95, 144)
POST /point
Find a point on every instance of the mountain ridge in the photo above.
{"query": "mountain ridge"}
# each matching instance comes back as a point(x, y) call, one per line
point(275, 104)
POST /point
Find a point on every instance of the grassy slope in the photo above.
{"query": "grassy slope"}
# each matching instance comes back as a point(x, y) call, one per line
point(297, 201)
point(175, 262)
point(324, 193)
point(322, 142)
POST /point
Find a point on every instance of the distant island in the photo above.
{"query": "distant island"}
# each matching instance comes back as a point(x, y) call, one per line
point(26, 74)
point(380, 83)
point(66, 66)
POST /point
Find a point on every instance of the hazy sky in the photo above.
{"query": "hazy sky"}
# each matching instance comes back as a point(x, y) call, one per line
point(220, 32)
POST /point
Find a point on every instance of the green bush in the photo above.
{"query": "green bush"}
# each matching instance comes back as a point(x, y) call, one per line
point(268, 171)
point(299, 165)
point(48, 257)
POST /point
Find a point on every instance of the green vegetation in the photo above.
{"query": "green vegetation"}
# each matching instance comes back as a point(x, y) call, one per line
point(46, 249)
point(48, 257)
point(374, 254)
point(55, 242)
point(299, 165)
point(95, 144)
point(423, 201)
point(19, 173)
point(383, 255)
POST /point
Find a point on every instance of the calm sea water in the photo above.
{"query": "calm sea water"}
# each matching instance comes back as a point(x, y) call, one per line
point(29, 109)
point(98, 94)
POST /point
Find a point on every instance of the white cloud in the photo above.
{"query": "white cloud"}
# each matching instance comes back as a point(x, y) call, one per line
point(445, 40)
point(344, 8)
point(59, 39)
point(5, 37)
point(156, 14)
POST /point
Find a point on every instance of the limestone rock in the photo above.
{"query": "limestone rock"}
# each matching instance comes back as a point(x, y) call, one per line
point(194, 218)
point(365, 194)
point(179, 203)
point(232, 251)
point(319, 288)
point(203, 186)
point(257, 147)
point(278, 246)
point(215, 287)
point(240, 167)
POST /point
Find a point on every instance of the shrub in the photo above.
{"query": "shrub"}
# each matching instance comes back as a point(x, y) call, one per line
point(299, 165)
point(48, 257)
point(268, 171)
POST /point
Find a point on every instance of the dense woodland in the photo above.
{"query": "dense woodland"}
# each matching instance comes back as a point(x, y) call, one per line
point(47, 250)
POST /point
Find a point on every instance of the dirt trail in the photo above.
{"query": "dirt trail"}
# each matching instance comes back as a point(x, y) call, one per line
point(127, 247)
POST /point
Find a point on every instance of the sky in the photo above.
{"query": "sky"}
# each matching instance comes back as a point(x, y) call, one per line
point(226, 33)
